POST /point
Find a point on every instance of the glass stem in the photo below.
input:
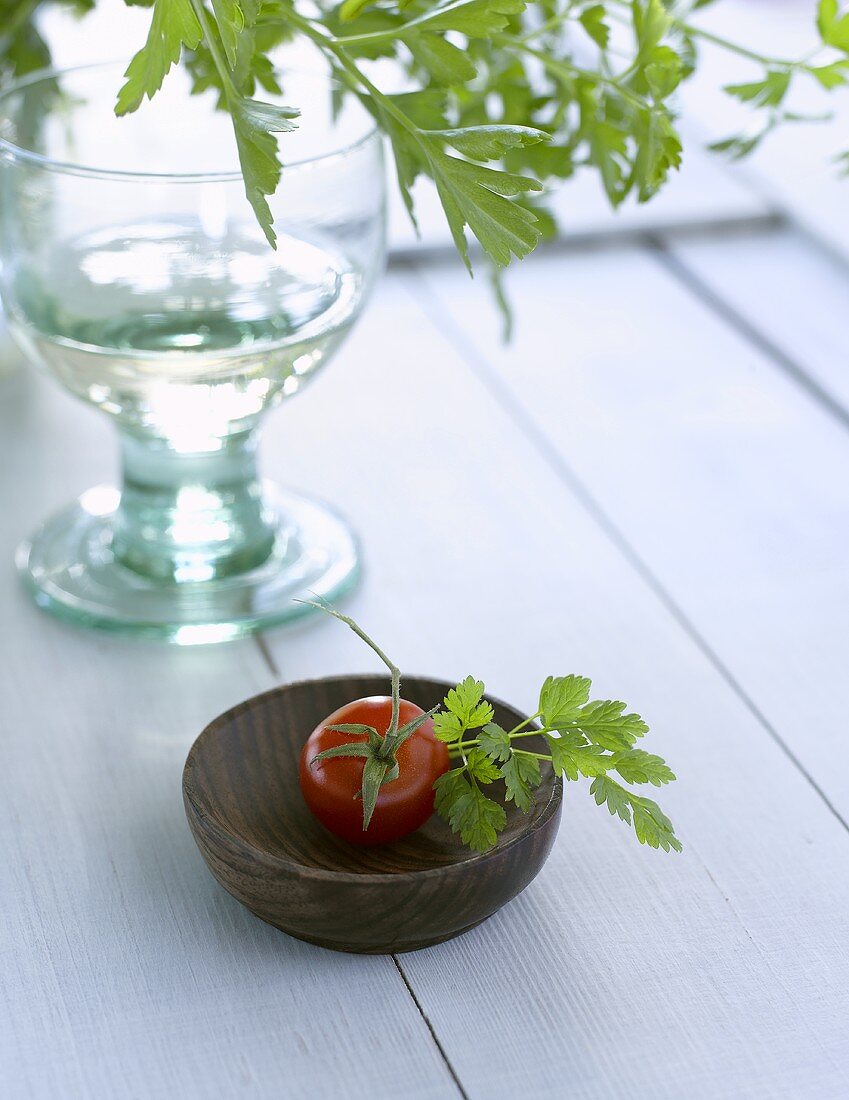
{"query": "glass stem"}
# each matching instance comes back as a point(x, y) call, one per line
point(191, 517)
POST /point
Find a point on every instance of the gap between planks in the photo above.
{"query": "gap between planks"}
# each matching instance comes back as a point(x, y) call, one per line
point(524, 423)
point(655, 243)
point(406, 259)
point(722, 308)
point(268, 657)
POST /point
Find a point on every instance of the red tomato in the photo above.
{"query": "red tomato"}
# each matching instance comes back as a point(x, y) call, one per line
point(331, 788)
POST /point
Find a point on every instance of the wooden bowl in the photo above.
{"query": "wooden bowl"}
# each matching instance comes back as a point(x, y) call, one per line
point(244, 805)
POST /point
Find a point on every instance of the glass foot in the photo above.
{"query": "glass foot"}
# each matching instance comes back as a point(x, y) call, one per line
point(72, 572)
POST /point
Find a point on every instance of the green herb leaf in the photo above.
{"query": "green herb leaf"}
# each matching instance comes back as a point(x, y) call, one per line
point(768, 92)
point(231, 23)
point(573, 760)
point(466, 702)
point(605, 724)
point(638, 766)
point(521, 774)
point(652, 826)
point(447, 726)
point(479, 198)
point(606, 792)
point(831, 76)
point(469, 812)
point(650, 823)
point(255, 124)
point(561, 697)
point(173, 26)
point(592, 19)
point(448, 788)
point(495, 742)
point(651, 22)
point(833, 25)
point(480, 767)
point(474, 18)
point(491, 141)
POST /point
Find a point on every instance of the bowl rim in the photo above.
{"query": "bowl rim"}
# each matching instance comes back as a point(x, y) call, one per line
point(205, 819)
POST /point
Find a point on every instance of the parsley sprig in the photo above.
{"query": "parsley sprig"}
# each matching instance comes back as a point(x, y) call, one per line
point(592, 739)
point(505, 99)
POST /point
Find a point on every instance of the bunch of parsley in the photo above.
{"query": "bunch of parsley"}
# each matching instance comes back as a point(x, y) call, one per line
point(507, 96)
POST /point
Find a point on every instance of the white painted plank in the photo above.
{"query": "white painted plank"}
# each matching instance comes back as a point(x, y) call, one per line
point(793, 293)
point(722, 473)
point(621, 972)
point(127, 971)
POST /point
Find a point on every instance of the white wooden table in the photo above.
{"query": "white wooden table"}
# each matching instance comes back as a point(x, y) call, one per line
point(654, 476)
point(649, 486)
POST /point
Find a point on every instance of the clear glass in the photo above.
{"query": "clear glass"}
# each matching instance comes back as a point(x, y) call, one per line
point(134, 271)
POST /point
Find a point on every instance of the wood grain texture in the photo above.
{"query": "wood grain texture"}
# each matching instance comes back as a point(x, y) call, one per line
point(259, 839)
point(126, 971)
point(619, 972)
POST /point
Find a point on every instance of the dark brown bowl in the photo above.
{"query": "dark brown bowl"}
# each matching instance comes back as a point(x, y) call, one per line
point(244, 805)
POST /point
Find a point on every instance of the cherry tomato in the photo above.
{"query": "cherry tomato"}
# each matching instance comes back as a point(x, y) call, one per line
point(332, 787)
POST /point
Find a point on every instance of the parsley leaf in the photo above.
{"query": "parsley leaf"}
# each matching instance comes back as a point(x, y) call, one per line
point(637, 766)
point(768, 92)
point(495, 742)
point(650, 823)
point(592, 19)
point(470, 813)
point(833, 25)
point(465, 701)
point(480, 767)
point(173, 25)
point(516, 92)
point(561, 697)
point(447, 726)
point(521, 774)
point(573, 760)
point(607, 792)
point(605, 724)
point(254, 124)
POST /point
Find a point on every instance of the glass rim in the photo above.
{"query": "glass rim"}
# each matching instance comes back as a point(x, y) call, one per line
point(50, 164)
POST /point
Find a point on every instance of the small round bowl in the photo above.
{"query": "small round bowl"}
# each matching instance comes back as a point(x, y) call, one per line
point(260, 841)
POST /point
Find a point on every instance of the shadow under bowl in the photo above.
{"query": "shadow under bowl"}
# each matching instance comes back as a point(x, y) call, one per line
point(263, 845)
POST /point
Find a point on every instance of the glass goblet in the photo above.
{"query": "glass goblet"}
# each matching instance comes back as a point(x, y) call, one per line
point(134, 271)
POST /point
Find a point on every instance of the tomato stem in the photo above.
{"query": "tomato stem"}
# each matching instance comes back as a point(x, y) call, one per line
point(387, 749)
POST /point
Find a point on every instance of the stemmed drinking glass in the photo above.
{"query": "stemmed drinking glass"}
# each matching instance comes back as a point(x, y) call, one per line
point(134, 271)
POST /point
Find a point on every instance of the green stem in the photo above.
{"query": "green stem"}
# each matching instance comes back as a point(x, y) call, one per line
point(513, 735)
point(387, 749)
point(559, 67)
point(742, 51)
point(219, 60)
point(521, 725)
point(334, 46)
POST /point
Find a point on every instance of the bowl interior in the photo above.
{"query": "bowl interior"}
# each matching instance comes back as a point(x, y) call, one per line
point(242, 775)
